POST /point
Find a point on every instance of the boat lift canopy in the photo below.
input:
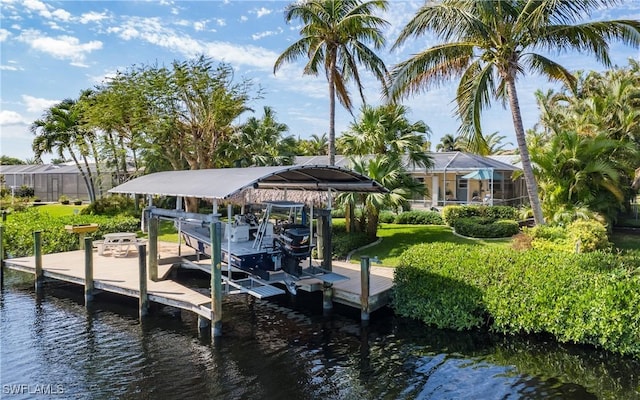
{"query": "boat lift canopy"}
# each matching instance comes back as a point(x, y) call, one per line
point(225, 183)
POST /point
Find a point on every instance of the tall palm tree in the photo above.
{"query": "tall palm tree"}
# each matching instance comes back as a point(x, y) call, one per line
point(335, 35)
point(489, 43)
point(59, 131)
point(386, 130)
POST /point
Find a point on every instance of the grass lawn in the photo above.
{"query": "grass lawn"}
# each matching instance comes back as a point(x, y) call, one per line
point(60, 210)
point(397, 238)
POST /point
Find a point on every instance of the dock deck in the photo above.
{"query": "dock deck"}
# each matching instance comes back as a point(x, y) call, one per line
point(121, 275)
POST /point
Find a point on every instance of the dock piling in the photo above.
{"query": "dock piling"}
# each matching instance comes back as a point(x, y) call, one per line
point(153, 248)
point(37, 249)
point(327, 297)
point(2, 253)
point(142, 269)
point(88, 271)
point(365, 275)
point(216, 278)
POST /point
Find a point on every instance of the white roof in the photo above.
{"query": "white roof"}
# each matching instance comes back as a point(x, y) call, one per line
point(226, 182)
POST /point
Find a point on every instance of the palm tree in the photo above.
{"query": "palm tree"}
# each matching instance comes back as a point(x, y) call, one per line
point(387, 130)
point(489, 43)
point(259, 142)
point(334, 39)
point(386, 133)
point(59, 131)
point(449, 143)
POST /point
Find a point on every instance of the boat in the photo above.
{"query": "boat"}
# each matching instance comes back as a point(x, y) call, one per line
point(270, 245)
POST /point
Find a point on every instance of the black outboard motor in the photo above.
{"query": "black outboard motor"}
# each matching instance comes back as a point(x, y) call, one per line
point(295, 243)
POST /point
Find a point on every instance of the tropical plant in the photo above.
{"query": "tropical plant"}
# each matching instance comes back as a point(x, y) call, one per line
point(335, 37)
point(489, 43)
point(449, 143)
point(259, 142)
point(60, 131)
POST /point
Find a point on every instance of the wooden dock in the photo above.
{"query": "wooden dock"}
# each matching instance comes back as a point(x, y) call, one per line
point(121, 275)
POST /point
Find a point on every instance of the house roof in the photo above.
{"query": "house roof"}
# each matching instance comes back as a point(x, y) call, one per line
point(226, 183)
point(449, 161)
point(40, 169)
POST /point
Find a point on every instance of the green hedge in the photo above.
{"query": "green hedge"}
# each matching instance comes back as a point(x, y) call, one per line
point(343, 242)
point(19, 228)
point(479, 227)
point(583, 236)
point(591, 298)
point(419, 218)
point(453, 213)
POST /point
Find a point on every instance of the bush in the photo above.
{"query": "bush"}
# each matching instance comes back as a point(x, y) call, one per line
point(111, 205)
point(419, 218)
point(24, 191)
point(591, 235)
point(453, 213)
point(482, 227)
point(588, 298)
point(343, 242)
point(581, 235)
point(20, 227)
point(337, 212)
point(63, 199)
point(387, 217)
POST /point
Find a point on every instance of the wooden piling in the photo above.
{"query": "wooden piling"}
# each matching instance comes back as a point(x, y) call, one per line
point(37, 249)
point(88, 271)
point(142, 270)
point(365, 274)
point(153, 248)
point(2, 253)
point(327, 297)
point(216, 278)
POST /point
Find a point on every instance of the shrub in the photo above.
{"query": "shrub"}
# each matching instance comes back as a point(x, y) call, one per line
point(585, 236)
point(20, 227)
point(584, 298)
point(453, 213)
point(337, 213)
point(483, 227)
point(63, 199)
point(591, 235)
point(387, 217)
point(111, 205)
point(24, 191)
point(419, 218)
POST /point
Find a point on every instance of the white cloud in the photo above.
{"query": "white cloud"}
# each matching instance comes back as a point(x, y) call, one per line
point(93, 17)
point(9, 68)
point(220, 21)
point(261, 12)
point(37, 6)
point(61, 14)
point(36, 104)
point(12, 118)
point(261, 35)
point(199, 25)
point(243, 18)
point(4, 34)
point(152, 30)
point(63, 47)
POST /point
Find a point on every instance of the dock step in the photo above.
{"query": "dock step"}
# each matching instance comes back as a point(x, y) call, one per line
point(254, 287)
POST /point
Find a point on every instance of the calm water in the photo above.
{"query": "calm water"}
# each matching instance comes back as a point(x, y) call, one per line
point(282, 349)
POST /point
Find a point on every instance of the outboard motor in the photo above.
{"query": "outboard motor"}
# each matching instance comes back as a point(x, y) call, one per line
point(295, 243)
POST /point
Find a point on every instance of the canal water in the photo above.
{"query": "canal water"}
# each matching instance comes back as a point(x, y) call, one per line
point(52, 347)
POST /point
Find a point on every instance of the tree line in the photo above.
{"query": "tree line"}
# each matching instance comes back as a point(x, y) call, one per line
point(182, 116)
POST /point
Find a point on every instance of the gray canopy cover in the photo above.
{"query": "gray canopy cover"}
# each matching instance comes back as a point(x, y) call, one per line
point(225, 183)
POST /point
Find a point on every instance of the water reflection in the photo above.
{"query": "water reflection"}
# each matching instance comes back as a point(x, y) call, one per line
point(283, 349)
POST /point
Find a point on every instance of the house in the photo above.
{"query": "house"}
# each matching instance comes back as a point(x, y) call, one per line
point(51, 181)
point(458, 178)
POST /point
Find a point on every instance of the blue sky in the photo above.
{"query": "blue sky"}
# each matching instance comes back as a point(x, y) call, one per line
point(52, 50)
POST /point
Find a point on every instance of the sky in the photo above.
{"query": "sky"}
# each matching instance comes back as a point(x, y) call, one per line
point(52, 50)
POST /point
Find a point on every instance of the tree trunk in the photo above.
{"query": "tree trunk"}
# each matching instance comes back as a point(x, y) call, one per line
point(332, 110)
point(90, 192)
point(372, 223)
point(529, 178)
